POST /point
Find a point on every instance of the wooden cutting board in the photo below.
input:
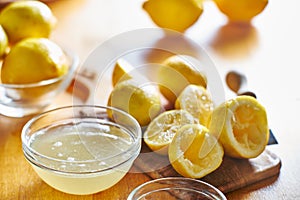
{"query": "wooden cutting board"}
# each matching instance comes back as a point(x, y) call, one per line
point(233, 173)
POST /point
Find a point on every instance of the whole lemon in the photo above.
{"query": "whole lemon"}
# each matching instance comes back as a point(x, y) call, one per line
point(32, 60)
point(241, 10)
point(22, 19)
point(177, 15)
point(3, 42)
point(141, 101)
point(175, 74)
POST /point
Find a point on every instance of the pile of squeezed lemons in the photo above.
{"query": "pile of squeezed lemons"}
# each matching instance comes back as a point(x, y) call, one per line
point(179, 15)
point(193, 132)
point(27, 54)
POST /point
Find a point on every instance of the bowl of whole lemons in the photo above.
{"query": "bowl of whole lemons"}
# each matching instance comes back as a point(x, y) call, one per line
point(34, 69)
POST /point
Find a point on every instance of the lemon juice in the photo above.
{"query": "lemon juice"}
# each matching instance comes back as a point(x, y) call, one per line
point(82, 157)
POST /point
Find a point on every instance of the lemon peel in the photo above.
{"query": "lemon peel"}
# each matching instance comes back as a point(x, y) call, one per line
point(194, 152)
point(121, 71)
point(24, 19)
point(175, 74)
point(33, 60)
point(141, 101)
point(177, 15)
point(196, 100)
point(245, 132)
point(241, 10)
point(3, 42)
point(162, 129)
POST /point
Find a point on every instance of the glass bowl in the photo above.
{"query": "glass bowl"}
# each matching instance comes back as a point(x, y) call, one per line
point(80, 149)
point(176, 188)
point(19, 100)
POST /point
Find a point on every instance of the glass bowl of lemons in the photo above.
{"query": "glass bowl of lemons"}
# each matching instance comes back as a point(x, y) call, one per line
point(33, 73)
point(82, 149)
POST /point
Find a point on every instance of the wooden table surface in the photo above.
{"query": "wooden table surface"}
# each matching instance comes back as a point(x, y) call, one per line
point(266, 51)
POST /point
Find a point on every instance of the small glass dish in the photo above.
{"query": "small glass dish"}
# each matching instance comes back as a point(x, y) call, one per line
point(19, 100)
point(176, 188)
point(80, 149)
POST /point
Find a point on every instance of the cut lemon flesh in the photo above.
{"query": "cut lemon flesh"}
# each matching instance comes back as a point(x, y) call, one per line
point(245, 132)
point(162, 129)
point(197, 101)
point(194, 152)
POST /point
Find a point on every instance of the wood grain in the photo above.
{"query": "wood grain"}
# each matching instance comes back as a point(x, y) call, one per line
point(267, 52)
point(233, 173)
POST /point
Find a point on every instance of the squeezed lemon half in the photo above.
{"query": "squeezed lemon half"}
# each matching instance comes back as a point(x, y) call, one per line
point(194, 152)
point(244, 132)
point(162, 129)
point(121, 71)
point(196, 100)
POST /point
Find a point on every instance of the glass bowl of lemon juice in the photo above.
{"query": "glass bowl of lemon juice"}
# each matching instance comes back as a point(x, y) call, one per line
point(81, 149)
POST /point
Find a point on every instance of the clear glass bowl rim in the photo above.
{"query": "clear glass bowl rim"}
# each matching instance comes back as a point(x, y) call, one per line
point(175, 179)
point(30, 154)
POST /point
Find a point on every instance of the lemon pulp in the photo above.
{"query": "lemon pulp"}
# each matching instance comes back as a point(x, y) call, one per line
point(162, 129)
point(194, 152)
point(197, 101)
point(244, 132)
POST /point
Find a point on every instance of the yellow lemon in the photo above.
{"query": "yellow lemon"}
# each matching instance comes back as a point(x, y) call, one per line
point(33, 60)
point(162, 129)
point(245, 132)
point(197, 101)
point(140, 101)
point(3, 42)
point(241, 10)
point(175, 74)
point(23, 19)
point(194, 152)
point(177, 15)
point(121, 71)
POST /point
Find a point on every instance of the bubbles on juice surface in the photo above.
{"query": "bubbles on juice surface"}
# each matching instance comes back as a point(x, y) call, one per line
point(74, 144)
